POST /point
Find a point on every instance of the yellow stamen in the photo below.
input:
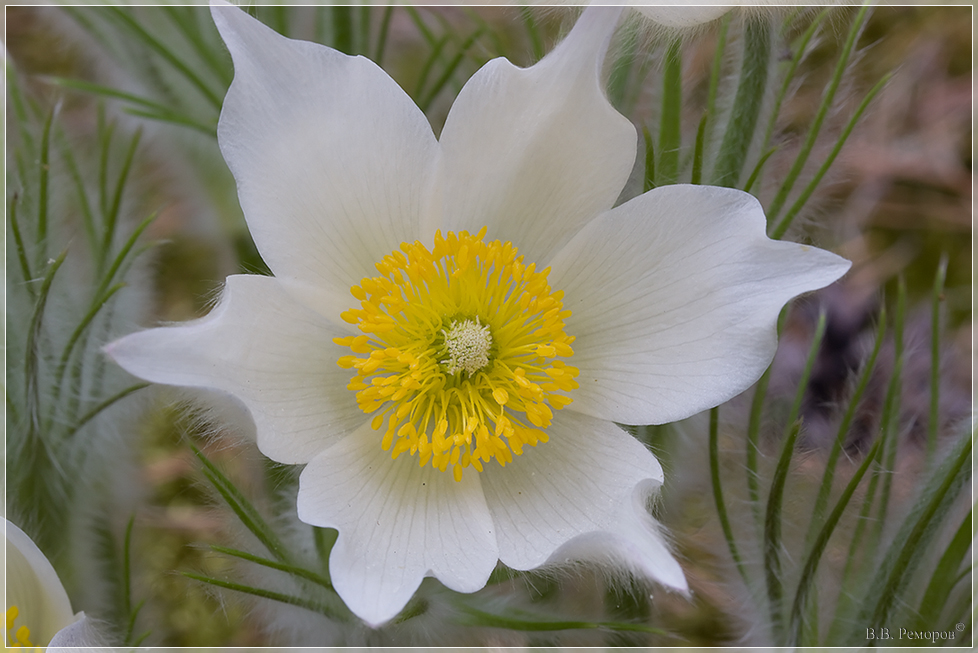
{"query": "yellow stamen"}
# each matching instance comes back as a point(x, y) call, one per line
point(23, 634)
point(460, 352)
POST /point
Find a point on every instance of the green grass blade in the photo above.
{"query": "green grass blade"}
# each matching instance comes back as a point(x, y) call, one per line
point(385, 26)
point(889, 460)
point(103, 405)
point(861, 550)
point(243, 508)
point(697, 174)
point(112, 216)
point(828, 476)
point(533, 32)
point(185, 18)
point(747, 103)
point(88, 217)
point(324, 538)
point(44, 173)
point(423, 29)
point(806, 194)
point(622, 67)
point(670, 122)
point(429, 64)
point(129, 23)
point(32, 351)
point(272, 564)
point(827, 99)
point(807, 370)
point(806, 582)
point(910, 543)
point(648, 182)
point(772, 534)
point(123, 254)
point(343, 28)
point(800, 50)
point(756, 172)
point(945, 577)
point(715, 69)
point(718, 499)
point(450, 69)
point(937, 296)
point(25, 266)
point(80, 328)
point(526, 622)
point(150, 109)
point(754, 430)
point(313, 606)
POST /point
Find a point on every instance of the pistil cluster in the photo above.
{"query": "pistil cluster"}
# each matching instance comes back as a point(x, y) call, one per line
point(460, 353)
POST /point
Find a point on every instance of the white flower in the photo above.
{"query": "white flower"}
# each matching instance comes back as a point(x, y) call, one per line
point(38, 612)
point(427, 460)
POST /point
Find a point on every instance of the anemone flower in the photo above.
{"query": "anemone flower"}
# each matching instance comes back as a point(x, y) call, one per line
point(455, 325)
point(38, 612)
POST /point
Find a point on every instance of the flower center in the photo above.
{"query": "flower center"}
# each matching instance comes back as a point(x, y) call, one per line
point(22, 636)
point(468, 344)
point(460, 352)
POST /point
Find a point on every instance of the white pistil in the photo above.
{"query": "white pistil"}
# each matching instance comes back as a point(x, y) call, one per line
point(468, 343)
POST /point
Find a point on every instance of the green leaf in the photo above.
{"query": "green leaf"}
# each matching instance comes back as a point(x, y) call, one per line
point(827, 98)
point(756, 172)
point(103, 405)
point(243, 508)
point(385, 24)
point(648, 182)
point(32, 350)
point(697, 174)
point(670, 120)
point(806, 582)
point(129, 23)
point(721, 505)
point(825, 488)
point(25, 266)
point(784, 223)
point(754, 429)
point(747, 103)
point(910, 543)
point(945, 577)
point(295, 570)
point(772, 533)
point(450, 69)
point(937, 296)
point(800, 50)
point(308, 604)
point(529, 622)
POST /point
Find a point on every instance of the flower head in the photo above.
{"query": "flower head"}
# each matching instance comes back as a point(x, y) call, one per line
point(38, 612)
point(455, 324)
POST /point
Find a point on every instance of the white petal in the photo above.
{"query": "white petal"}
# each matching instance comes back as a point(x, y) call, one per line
point(680, 15)
point(633, 542)
point(270, 352)
point(33, 586)
point(534, 153)
point(397, 523)
point(81, 633)
point(675, 295)
point(333, 160)
point(583, 483)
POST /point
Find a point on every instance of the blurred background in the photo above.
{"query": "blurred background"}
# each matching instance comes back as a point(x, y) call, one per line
point(133, 94)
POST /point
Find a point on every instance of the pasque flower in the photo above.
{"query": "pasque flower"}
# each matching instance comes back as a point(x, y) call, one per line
point(455, 324)
point(37, 610)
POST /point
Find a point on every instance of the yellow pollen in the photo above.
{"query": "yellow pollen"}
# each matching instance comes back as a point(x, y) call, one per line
point(460, 352)
point(21, 639)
